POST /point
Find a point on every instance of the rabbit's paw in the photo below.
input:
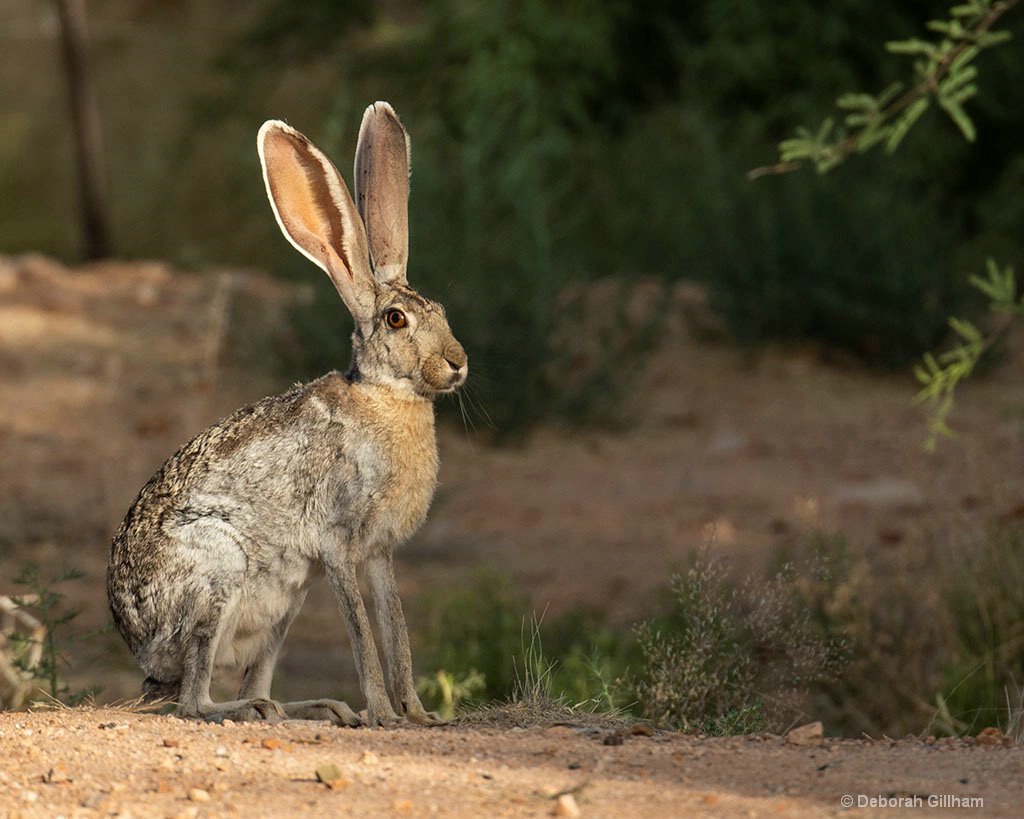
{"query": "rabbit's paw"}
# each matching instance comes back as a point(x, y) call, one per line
point(382, 716)
point(422, 716)
point(255, 710)
point(333, 711)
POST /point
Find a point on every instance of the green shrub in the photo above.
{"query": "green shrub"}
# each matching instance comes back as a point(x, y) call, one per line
point(487, 632)
point(730, 658)
point(984, 668)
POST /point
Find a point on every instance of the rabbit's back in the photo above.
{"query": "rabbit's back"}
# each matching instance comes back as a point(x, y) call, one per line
point(241, 515)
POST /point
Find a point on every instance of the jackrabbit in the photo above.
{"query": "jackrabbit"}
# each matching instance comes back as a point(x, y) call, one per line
point(213, 560)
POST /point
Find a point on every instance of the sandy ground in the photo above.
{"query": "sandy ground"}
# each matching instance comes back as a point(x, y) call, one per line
point(107, 762)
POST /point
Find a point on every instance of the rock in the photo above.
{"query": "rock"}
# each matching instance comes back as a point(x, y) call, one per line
point(566, 805)
point(171, 743)
point(993, 736)
point(613, 739)
point(727, 443)
point(880, 493)
point(271, 743)
point(641, 730)
point(370, 758)
point(809, 735)
point(403, 806)
point(331, 776)
point(199, 795)
point(57, 775)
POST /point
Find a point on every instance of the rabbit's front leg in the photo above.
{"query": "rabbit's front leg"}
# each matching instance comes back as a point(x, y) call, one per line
point(259, 676)
point(380, 572)
point(342, 575)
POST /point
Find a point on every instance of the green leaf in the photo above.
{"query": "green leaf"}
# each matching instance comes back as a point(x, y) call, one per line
point(903, 125)
point(857, 102)
point(993, 38)
point(965, 329)
point(964, 58)
point(912, 46)
point(967, 10)
point(889, 94)
point(958, 79)
point(959, 116)
point(871, 136)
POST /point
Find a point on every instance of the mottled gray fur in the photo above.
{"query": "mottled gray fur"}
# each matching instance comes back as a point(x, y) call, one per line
point(214, 558)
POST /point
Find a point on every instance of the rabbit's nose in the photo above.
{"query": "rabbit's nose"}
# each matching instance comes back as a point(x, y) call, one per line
point(456, 357)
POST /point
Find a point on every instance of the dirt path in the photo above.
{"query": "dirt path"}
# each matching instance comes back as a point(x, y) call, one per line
point(111, 762)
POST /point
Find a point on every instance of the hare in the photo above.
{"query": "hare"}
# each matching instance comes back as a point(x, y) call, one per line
point(213, 559)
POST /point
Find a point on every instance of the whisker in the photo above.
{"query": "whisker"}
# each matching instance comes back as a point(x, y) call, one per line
point(476, 403)
point(467, 422)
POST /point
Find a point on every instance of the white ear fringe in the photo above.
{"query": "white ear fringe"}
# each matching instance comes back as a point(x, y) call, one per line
point(335, 186)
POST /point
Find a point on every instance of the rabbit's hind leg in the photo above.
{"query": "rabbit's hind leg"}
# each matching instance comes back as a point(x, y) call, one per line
point(333, 711)
point(199, 651)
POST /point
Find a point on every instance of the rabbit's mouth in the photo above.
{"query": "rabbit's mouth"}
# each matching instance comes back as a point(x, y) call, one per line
point(457, 379)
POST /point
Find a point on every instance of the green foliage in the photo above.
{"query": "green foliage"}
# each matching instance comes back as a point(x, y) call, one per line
point(876, 283)
point(480, 636)
point(868, 640)
point(616, 151)
point(940, 375)
point(554, 145)
point(944, 73)
point(449, 691)
point(728, 658)
point(934, 636)
point(46, 603)
point(986, 659)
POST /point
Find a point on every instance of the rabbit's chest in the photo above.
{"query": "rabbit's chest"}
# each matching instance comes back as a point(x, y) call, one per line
point(406, 496)
point(400, 456)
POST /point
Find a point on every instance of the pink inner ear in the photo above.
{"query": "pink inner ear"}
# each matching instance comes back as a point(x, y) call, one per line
point(298, 183)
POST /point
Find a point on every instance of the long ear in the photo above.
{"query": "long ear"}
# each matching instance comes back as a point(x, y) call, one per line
point(382, 190)
point(316, 212)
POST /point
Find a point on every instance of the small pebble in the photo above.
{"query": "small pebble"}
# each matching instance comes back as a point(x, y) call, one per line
point(566, 805)
point(199, 795)
point(370, 758)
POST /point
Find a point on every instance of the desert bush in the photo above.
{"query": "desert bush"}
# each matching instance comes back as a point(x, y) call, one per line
point(730, 658)
point(983, 669)
point(934, 634)
point(870, 640)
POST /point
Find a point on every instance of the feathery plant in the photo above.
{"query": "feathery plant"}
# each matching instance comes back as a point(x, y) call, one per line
point(944, 74)
point(939, 375)
point(46, 603)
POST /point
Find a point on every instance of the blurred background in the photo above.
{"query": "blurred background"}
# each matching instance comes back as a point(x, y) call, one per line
point(669, 360)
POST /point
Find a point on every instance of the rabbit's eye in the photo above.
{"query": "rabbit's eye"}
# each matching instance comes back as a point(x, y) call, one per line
point(395, 319)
